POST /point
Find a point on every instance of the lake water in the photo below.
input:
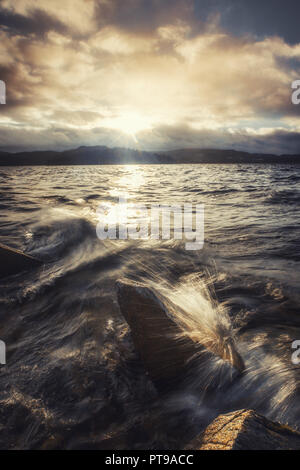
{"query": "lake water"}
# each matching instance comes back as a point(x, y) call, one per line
point(73, 377)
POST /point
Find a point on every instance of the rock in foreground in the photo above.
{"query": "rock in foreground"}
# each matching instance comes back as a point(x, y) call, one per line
point(155, 334)
point(246, 430)
point(168, 354)
point(14, 261)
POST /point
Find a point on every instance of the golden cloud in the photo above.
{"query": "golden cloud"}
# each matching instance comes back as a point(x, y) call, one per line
point(120, 78)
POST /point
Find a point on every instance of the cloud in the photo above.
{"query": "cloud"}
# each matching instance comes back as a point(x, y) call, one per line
point(76, 16)
point(60, 138)
point(160, 138)
point(97, 70)
point(142, 16)
point(183, 136)
point(38, 23)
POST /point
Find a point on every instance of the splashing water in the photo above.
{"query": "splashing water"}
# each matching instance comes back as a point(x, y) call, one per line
point(203, 319)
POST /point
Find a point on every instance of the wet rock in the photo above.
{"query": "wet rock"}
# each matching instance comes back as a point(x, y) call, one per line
point(246, 430)
point(167, 354)
point(228, 352)
point(155, 334)
point(14, 261)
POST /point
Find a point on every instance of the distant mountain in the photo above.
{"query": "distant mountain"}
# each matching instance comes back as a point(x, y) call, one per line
point(98, 155)
point(227, 156)
point(101, 155)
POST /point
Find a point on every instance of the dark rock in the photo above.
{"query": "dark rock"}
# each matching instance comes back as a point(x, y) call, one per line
point(167, 354)
point(245, 430)
point(154, 333)
point(14, 261)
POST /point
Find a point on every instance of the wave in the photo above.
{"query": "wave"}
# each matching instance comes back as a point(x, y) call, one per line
point(61, 234)
point(284, 196)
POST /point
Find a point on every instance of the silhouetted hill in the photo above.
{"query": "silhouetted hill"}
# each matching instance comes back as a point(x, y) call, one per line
point(101, 155)
point(98, 155)
point(228, 156)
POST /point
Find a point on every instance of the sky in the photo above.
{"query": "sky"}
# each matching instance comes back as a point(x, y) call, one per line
point(150, 74)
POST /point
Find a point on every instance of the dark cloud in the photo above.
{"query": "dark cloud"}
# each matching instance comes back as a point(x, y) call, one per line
point(142, 16)
point(18, 139)
point(160, 138)
point(182, 136)
point(20, 91)
point(261, 18)
point(38, 23)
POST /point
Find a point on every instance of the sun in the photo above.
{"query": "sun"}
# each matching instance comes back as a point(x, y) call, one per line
point(130, 124)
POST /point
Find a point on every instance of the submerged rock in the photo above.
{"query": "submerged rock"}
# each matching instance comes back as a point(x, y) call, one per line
point(14, 261)
point(245, 430)
point(166, 352)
